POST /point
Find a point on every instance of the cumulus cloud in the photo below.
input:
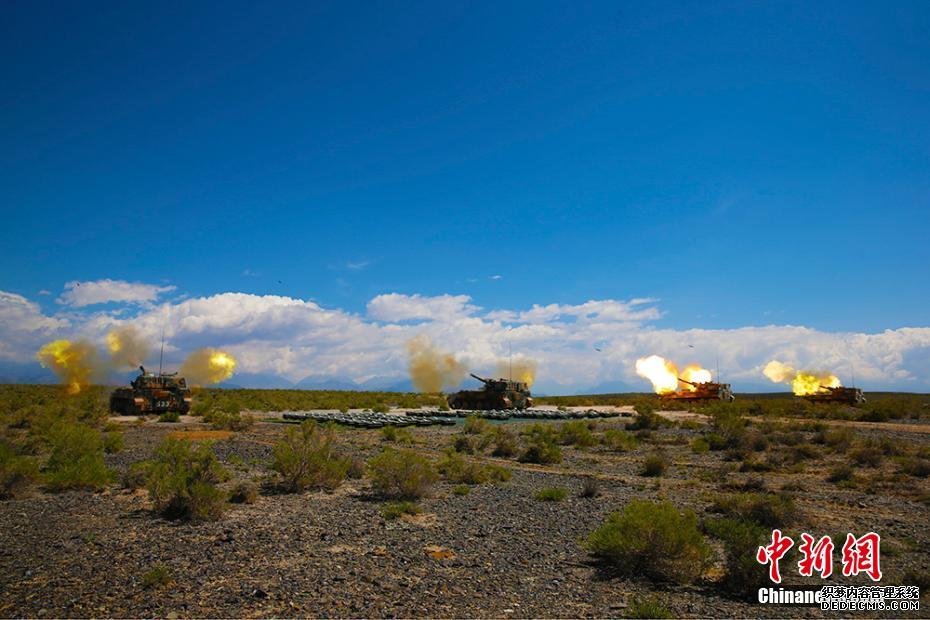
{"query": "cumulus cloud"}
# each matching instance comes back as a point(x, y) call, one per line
point(577, 346)
point(23, 326)
point(81, 294)
point(397, 307)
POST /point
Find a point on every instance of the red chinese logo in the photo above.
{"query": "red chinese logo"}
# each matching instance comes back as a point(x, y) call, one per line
point(773, 553)
point(860, 555)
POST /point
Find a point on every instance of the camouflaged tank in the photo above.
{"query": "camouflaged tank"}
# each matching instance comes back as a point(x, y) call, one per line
point(497, 394)
point(847, 395)
point(151, 393)
point(702, 391)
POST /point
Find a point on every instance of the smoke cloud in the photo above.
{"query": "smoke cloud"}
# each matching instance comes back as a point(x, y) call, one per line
point(77, 364)
point(207, 366)
point(522, 369)
point(432, 369)
point(127, 347)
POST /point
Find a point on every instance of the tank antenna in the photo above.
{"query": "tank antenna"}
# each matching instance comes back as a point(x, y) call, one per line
point(510, 347)
point(161, 357)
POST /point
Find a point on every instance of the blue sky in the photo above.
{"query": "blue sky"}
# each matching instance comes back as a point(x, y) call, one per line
point(745, 163)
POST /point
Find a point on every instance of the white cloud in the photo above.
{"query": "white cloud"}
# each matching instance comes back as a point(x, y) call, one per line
point(81, 294)
point(24, 328)
point(296, 338)
point(397, 307)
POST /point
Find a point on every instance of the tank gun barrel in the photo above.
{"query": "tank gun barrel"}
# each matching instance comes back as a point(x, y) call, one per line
point(142, 368)
point(479, 378)
point(826, 387)
point(688, 382)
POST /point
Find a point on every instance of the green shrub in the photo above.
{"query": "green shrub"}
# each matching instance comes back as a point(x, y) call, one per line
point(457, 469)
point(471, 444)
point(17, 472)
point(399, 435)
point(381, 408)
point(744, 576)
point(647, 608)
point(356, 469)
point(401, 474)
point(647, 421)
point(619, 440)
point(653, 540)
point(305, 458)
point(170, 416)
point(700, 445)
point(590, 488)
point(505, 443)
point(841, 473)
point(768, 509)
point(576, 433)
point(655, 464)
point(474, 425)
point(915, 466)
point(498, 474)
point(462, 489)
point(551, 494)
point(136, 475)
point(182, 481)
point(76, 460)
point(867, 454)
point(229, 421)
point(112, 442)
point(244, 492)
point(157, 577)
point(541, 453)
point(394, 510)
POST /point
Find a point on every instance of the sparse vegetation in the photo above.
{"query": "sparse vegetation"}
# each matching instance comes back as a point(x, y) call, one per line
point(590, 488)
point(740, 539)
point(474, 425)
point(461, 489)
point(76, 460)
point(395, 510)
point(170, 416)
point(398, 435)
point(647, 607)
point(619, 440)
point(401, 474)
point(655, 464)
point(770, 510)
point(306, 459)
point(244, 492)
point(576, 433)
point(17, 472)
point(653, 540)
point(551, 494)
point(158, 576)
point(506, 444)
point(182, 481)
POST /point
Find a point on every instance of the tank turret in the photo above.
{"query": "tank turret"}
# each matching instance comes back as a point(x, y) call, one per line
point(702, 391)
point(496, 394)
point(151, 393)
point(826, 394)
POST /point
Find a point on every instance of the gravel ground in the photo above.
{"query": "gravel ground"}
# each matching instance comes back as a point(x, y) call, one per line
point(496, 552)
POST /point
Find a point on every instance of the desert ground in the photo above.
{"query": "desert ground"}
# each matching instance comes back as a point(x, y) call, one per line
point(490, 549)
